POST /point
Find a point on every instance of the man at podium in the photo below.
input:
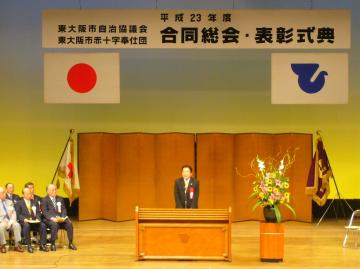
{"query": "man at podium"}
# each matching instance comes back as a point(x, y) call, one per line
point(186, 189)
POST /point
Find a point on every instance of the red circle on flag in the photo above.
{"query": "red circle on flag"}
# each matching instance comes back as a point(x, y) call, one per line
point(81, 78)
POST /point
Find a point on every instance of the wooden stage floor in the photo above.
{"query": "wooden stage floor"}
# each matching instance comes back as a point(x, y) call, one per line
point(105, 244)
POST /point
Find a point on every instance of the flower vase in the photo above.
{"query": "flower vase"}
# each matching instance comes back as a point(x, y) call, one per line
point(269, 214)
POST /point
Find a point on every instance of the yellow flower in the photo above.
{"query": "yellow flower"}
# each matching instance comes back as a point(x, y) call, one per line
point(286, 185)
point(261, 195)
point(256, 189)
point(270, 189)
point(269, 181)
point(276, 190)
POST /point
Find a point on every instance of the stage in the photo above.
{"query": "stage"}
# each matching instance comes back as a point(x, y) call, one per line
point(106, 244)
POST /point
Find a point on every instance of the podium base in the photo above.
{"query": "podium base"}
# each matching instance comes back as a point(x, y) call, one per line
point(271, 260)
point(271, 242)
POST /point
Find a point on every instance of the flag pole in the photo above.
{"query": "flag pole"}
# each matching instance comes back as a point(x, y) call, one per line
point(318, 132)
point(71, 131)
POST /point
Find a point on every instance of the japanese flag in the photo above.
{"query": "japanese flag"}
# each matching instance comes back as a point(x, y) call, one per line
point(309, 78)
point(82, 78)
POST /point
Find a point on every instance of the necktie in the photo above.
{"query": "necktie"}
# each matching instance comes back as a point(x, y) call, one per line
point(28, 205)
point(5, 210)
point(54, 202)
point(186, 184)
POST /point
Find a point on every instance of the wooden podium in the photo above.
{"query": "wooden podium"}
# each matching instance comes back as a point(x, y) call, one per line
point(271, 242)
point(183, 234)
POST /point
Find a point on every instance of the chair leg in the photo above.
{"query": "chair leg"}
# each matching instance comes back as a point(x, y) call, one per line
point(61, 238)
point(11, 238)
point(345, 239)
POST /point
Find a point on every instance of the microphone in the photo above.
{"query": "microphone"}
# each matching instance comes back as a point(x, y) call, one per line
point(58, 204)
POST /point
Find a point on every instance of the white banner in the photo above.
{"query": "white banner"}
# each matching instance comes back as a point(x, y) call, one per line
point(311, 78)
point(216, 29)
point(82, 78)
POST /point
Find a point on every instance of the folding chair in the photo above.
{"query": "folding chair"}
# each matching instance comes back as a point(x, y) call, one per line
point(352, 236)
point(11, 240)
point(61, 236)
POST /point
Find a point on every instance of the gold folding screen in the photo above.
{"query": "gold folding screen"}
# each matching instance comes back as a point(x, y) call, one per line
point(119, 171)
point(223, 168)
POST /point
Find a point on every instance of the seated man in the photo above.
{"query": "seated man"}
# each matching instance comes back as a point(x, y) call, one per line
point(34, 197)
point(55, 216)
point(8, 223)
point(10, 195)
point(29, 216)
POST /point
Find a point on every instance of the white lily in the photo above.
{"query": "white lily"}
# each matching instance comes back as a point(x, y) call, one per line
point(281, 167)
point(261, 165)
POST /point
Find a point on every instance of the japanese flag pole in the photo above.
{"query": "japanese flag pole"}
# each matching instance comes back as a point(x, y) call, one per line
point(71, 131)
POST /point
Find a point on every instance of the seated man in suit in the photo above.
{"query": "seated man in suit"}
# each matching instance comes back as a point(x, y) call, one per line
point(10, 195)
point(29, 216)
point(55, 216)
point(186, 189)
point(34, 197)
point(8, 222)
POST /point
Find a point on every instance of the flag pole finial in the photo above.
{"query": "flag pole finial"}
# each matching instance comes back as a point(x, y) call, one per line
point(318, 132)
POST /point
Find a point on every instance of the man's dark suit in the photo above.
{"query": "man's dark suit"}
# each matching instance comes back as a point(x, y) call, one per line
point(23, 213)
point(13, 197)
point(37, 199)
point(49, 211)
point(182, 199)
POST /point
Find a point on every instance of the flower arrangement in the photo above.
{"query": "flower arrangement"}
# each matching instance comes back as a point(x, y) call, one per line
point(271, 186)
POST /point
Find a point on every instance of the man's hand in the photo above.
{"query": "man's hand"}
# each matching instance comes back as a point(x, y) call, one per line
point(9, 224)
